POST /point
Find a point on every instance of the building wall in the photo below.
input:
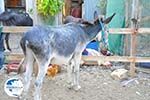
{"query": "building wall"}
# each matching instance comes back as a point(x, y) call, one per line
point(2, 8)
point(89, 8)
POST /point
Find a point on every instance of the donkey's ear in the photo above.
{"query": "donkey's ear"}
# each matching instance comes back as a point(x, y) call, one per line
point(106, 21)
point(95, 15)
point(96, 21)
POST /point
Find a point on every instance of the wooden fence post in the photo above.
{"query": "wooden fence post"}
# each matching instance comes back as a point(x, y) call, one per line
point(134, 25)
point(127, 25)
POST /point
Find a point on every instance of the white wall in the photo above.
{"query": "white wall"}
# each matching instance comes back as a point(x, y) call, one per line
point(31, 5)
point(2, 7)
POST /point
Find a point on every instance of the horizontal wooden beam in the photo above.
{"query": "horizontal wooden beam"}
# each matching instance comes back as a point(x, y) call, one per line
point(144, 30)
point(21, 29)
point(14, 57)
point(15, 29)
point(18, 57)
point(116, 58)
point(129, 31)
point(121, 31)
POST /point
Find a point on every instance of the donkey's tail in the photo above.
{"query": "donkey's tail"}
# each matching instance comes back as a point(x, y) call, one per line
point(22, 62)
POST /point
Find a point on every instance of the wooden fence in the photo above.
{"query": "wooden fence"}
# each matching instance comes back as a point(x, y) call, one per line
point(132, 59)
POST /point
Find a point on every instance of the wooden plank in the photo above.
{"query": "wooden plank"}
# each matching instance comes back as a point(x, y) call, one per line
point(13, 57)
point(116, 58)
point(144, 30)
point(21, 29)
point(17, 57)
point(120, 30)
point(129, 31)
point(15, 29)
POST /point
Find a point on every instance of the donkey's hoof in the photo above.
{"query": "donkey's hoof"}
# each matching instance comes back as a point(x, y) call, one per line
point(37, 98)
point(76, 88)
point(7, 51)
point(22, 98)
point(70, 86)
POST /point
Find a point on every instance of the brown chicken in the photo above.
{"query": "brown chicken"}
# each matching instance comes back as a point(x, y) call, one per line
point(53, 70)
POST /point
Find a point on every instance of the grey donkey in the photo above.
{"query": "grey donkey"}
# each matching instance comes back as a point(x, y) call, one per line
point(62, 45)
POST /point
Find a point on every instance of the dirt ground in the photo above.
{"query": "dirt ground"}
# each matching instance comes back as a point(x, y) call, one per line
point(96, 84)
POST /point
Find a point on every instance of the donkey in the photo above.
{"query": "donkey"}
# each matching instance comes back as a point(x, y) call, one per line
point(101, 38)
point(10, 18)
point(69, 19)
point(62, 45)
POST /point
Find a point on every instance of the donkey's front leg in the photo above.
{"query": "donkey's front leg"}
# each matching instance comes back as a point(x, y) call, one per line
point(70, 74)
point(39, 80)
point(29, 60)
point(76, 70)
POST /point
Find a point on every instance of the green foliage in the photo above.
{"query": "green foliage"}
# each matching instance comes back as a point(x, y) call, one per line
point(49, 7)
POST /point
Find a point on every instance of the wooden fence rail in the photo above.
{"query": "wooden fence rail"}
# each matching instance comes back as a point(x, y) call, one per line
point(128, 31)
point(21, 29)
point(19, 56)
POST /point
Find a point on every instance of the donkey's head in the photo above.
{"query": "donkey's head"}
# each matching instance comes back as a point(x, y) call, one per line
point(70, 19)
point(103, 35)
point(99, 25)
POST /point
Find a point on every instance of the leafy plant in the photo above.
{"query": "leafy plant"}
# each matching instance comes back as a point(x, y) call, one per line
point(49, 7)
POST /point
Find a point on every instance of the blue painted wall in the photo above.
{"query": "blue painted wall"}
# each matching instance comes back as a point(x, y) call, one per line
point(89, 7)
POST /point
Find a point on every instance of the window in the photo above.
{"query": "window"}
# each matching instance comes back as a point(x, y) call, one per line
point(15, 3)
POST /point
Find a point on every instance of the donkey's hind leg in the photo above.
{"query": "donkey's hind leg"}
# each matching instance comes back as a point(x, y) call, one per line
point(29, 59)
point(43, 65)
